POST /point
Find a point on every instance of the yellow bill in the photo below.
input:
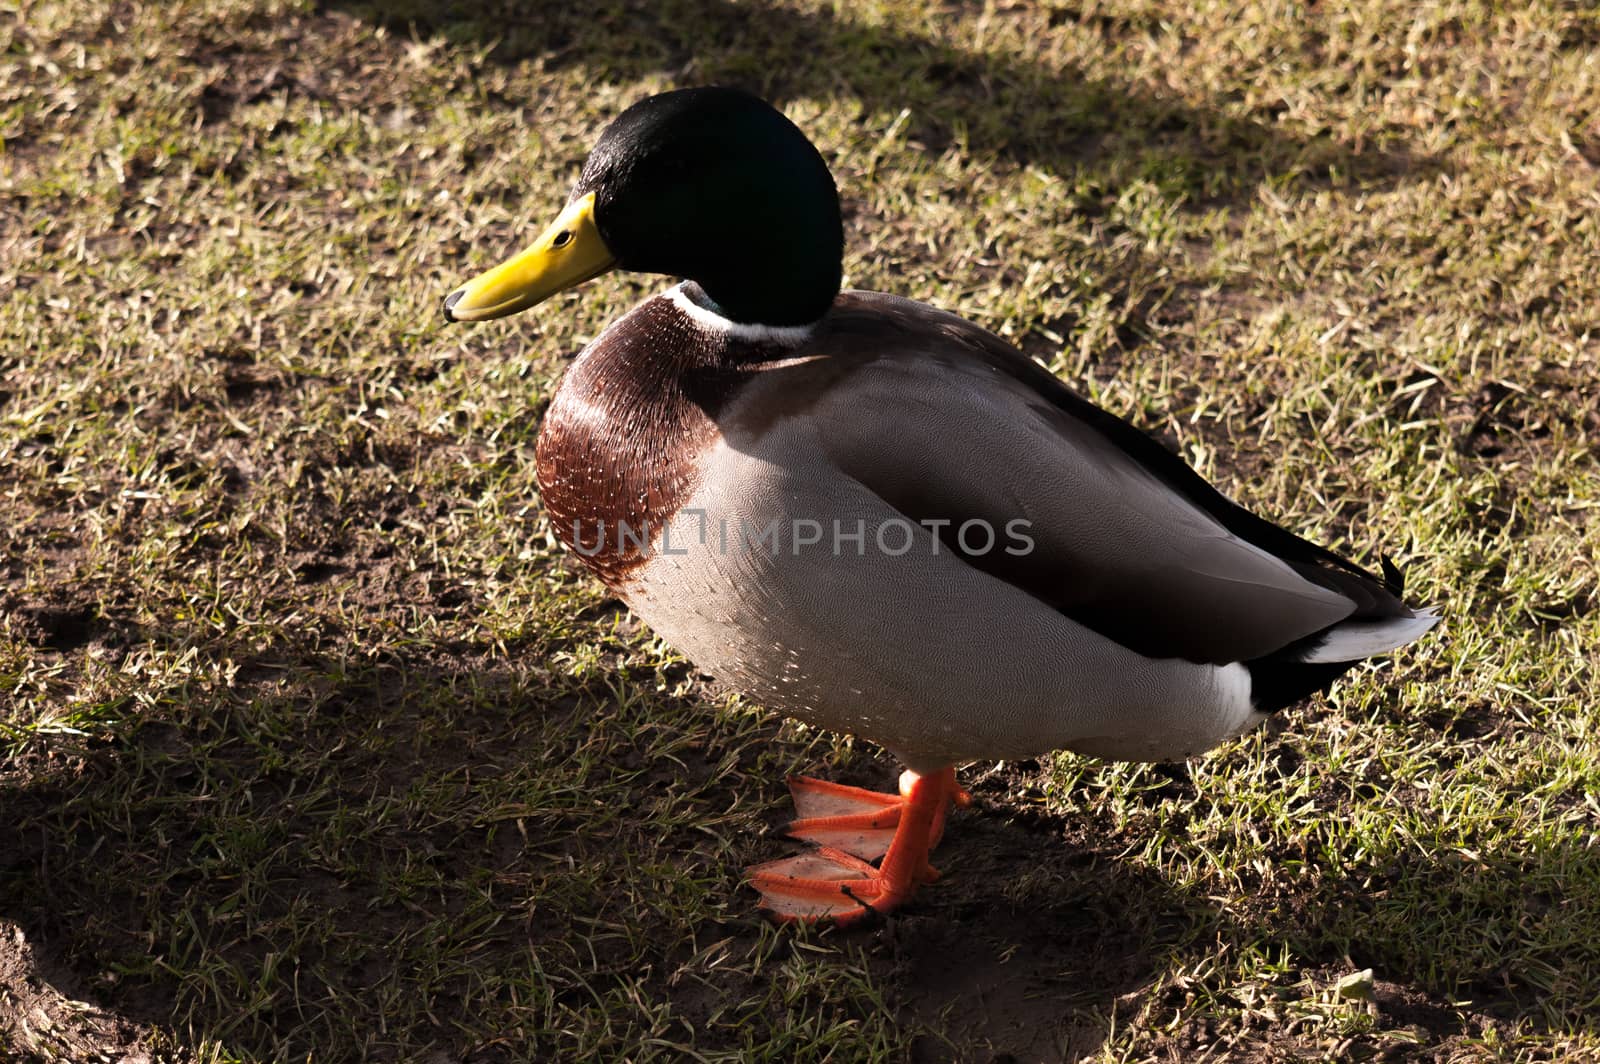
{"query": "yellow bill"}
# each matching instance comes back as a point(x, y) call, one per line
point(569, 252)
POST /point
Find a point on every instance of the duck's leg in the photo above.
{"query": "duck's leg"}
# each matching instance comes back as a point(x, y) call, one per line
point(853, 826)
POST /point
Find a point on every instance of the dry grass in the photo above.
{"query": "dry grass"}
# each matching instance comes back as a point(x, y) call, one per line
point(315, 748)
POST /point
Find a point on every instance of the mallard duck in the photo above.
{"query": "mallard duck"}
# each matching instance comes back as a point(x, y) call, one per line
point(881, 519)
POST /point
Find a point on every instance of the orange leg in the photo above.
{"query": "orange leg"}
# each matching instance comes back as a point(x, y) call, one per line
point(853, 826)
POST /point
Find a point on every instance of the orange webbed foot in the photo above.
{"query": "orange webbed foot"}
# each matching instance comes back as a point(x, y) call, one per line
point(852, 819)
point(852, 827)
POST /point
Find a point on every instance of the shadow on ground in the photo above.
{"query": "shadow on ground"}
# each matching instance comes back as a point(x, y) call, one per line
point(442, 845)
point(997, 104)
point(457, 850)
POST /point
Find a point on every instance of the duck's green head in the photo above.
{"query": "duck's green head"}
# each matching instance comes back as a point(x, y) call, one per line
point(710, 184)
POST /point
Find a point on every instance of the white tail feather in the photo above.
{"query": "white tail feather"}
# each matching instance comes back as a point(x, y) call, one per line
point(1354, 640)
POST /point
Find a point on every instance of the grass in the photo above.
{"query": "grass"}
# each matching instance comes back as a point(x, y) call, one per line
point(316, 748)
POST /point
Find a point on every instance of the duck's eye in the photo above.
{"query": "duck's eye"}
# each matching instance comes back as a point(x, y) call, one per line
point(562, 239)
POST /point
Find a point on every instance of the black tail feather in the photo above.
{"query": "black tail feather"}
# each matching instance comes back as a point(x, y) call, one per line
point(1393, 578)
point(1277, 682)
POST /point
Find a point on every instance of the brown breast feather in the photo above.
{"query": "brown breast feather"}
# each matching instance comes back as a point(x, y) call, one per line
point(619, 450)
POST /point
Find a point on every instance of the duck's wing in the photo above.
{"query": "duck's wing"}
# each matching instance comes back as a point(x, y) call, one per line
point(956, 429)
